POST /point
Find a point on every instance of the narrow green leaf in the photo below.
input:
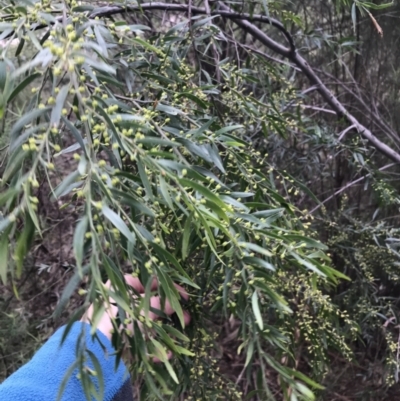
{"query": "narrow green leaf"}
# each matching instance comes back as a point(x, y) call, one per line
point(23, 244)
point(171, 258)
point(146, 45)
point(309, 242)
point(153, 141)
point(21, 45)
point(305, 391)
point(8, 195)
point(97, 316)
point(32, 213)
point(165, 193)
point(161, 354)
point(25, 120)
point(3, 75)
point(184, 351)
point(118, 223)
point(127, 199)
point(249, 354)
point(306, 379)
point(228, 129)
point(100, 40)
point(79, 241)
point(256, 310)
point(204, 191)
point(186, 236)
point(309, 265)
point(4, 242)
point(99, 372)
point(252, 261)
point(256, 248)
point(173, 111)
point(194, 98)
point(171, 371)
point(175, 333)
point(64, 187)
point(99, 65)
point(215, 157)
point(69, 289)
point(138, 27)
point(143, 177)
point(171, 293)
point(203, 21)
point(75, 133)
point(4, 223)
point(29, 79)
point(58, 106)
point(65, 380)
point(196, 149)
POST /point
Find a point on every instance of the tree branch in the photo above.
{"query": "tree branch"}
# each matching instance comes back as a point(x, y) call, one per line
point(243, 20)
point(341, 110)
point(107, 11)
point(328, 96)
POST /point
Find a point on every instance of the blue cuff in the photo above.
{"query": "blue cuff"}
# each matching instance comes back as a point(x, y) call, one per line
point(40, 379)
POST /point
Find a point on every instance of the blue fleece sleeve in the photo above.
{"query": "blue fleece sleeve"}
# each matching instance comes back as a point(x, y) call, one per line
point(40, 379)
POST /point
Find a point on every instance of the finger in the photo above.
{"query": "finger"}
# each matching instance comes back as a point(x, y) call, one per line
point(155, 303)
point(105, 324)
point(134, 282)
point(137, 285)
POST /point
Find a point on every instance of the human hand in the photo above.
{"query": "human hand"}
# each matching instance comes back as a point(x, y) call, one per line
point(105, 324)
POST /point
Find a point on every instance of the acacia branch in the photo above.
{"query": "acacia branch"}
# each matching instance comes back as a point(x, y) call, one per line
point(245, 20)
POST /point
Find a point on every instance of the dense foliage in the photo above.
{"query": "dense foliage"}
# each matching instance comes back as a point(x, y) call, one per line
point(189, 152)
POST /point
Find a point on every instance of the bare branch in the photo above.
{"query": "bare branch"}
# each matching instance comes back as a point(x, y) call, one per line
point(344, 132)
point(347, 186)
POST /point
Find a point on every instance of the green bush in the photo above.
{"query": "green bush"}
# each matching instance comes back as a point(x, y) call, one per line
point(156, 122)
